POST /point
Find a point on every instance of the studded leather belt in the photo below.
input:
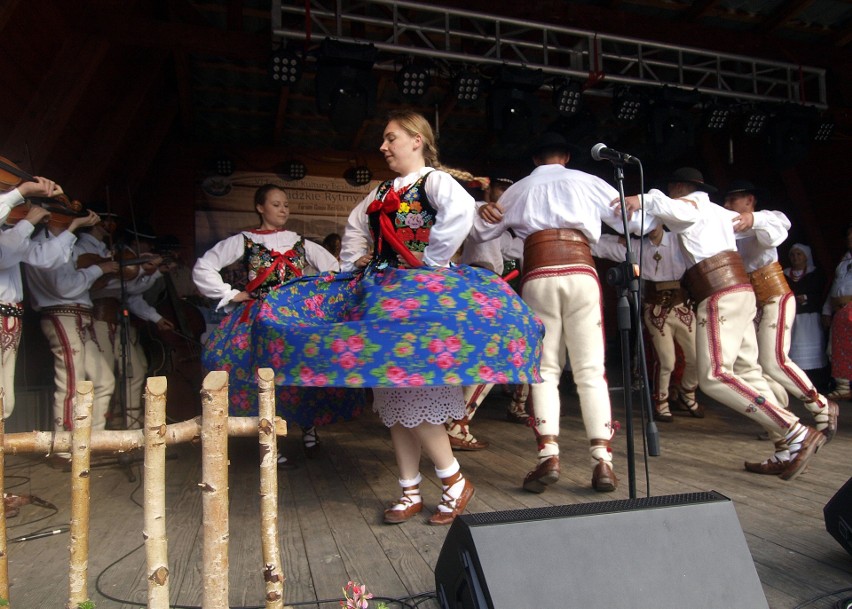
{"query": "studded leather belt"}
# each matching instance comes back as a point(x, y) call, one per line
point(556, 246)
point(724, 270)
point(11, 310)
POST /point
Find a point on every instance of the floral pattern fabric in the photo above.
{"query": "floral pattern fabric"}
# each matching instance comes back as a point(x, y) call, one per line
point(397, 327)
point(228, 348)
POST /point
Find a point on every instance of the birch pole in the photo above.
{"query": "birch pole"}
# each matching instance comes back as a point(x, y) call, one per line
point(154, 533)
point(214, 488)
point(80, 495)
point(273, 577)
point(4, 557)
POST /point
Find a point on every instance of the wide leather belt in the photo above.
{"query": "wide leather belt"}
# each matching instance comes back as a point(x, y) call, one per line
point(838, 302)
point(105, 309)
point(714, 274)
point(556, 247)
point(69, 309)
point(768, 282)
point(664, 293)
point(11, 310)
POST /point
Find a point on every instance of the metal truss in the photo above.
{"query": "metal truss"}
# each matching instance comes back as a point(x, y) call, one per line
point(468, 39)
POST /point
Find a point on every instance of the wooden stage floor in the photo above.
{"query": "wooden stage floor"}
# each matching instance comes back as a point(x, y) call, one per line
point(330, 507)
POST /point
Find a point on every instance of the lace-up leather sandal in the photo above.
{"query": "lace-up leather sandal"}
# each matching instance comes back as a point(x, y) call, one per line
point(453, 506)
point(405, 507)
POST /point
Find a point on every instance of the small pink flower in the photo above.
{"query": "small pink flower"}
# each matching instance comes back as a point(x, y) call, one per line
point(486, 372)
point(355, 343)
point(306, 374)
point(436, 345)
point(453, 344)
point(445, 361)
point(396, 375)
point(410, 304)
point(416, 380)
point(390, 304)
point(348, 361)
point(338, 346)
point(414, 221)
point(488, 312)
point(479, 298)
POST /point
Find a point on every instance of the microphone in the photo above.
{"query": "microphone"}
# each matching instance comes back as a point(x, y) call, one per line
point(601, 153)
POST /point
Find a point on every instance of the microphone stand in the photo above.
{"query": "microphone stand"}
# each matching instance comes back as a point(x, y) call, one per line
point(625, 277)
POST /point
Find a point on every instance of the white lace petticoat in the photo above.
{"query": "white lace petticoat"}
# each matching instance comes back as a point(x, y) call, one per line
point(410, 406)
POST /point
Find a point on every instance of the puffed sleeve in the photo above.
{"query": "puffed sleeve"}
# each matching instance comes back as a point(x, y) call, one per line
point(357, 240)
point(206, 273)
point(456, 210)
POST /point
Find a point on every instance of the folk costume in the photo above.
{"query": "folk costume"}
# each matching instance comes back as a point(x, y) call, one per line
point(776, 312)
point(807, 339)
point(667, 314)
point(16, 247)
point(558, 212)
point(726, 344)
point(61, 295)
point(269, 259)
point(839, 307)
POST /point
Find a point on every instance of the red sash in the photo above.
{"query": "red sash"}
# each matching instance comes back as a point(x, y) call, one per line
point(387, 232)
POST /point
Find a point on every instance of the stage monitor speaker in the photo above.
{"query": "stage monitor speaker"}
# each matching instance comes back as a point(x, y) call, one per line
point(669, 552)
point(838, 516)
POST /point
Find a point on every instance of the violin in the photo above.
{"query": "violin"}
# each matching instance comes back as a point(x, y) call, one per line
point(11, 176)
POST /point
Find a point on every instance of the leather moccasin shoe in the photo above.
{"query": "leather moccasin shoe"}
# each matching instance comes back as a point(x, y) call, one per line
point(544, 475)
point(457, 506)
point(833, 413)
point(393, 516)
point(810, 444)
point(603, 478)
point(663, 416)
point(770, 467)
point(472, 444)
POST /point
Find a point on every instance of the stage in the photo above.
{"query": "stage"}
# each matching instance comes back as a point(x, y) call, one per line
point(330, 511)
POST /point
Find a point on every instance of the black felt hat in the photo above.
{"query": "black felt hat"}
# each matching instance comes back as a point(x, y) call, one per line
point(552, 141)
point(746, 187)
point(690, 175)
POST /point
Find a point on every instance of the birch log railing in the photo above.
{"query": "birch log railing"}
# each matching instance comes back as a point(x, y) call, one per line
point(213, 428)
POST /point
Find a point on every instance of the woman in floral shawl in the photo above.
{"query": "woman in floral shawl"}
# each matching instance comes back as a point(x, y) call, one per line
point(270, 257)
point(401, 320)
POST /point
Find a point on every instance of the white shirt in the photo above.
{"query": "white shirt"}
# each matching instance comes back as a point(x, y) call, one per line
point(663, 262)
point(209, 280)
point(842, 284)
point(455, 211)
point(758, 246)
point(553, 196)
point(488, 254)
point(61, 285)
point(8, 200)
point(16, 247)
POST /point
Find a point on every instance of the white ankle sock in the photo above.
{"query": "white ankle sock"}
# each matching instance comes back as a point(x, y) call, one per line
point(452, 469)
point(795, 436)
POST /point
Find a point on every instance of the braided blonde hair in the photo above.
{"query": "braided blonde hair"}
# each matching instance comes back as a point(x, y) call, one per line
point(414, 123)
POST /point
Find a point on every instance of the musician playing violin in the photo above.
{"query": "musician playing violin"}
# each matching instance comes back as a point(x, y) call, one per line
point(16, 246)
point(107, 308)
point(61, 294)
point(42, 187)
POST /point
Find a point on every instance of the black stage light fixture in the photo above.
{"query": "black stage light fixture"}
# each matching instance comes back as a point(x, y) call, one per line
point(628, 106)
point(285, 67)
point(717, 116)
point(413, 80)
point(514, 106)
point(222, 165)
point(468, 87)
point(823, 129)
point(358, 175)
point(567, 97)
point(292, 170)
point(345, 84)
point(754, 120)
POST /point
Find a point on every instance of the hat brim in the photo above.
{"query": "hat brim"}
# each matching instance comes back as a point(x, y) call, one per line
point(708, 188)
point(761, 194)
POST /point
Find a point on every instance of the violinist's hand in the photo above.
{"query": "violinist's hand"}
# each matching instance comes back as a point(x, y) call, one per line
point(241, 297)
point(36, 214)
point(491, 213)
point(164, 325)
point(152, 263)
point(88, 220)
point(743, 222)
point(42, 187)
point(109, 266)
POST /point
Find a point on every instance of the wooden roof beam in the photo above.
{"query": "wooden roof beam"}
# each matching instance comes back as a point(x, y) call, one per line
point(782, 15)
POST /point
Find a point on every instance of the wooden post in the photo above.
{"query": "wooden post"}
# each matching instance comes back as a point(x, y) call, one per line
point(214, 486)
point(80, 496)
point(154, 533)
point(4, 557)
point(273, 576)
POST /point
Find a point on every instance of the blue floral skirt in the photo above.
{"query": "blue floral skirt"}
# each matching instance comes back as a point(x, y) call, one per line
point(227, 349)
point(397, 328)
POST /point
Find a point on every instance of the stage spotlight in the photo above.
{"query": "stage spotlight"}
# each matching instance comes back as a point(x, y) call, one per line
point(628, 106)
point(286, 67)
point(754, 120)
point(345, 84)
point(413, 80)
point(567, 97)
point(716, 116)
point(222, 166)
point(293, 170)
point(467, 88)
point(824, 129)
point(359, 175)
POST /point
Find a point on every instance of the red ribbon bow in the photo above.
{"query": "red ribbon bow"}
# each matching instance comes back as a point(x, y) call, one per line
point(390, 205)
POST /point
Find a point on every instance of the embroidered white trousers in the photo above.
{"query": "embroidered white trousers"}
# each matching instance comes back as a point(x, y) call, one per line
point(668, 327)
